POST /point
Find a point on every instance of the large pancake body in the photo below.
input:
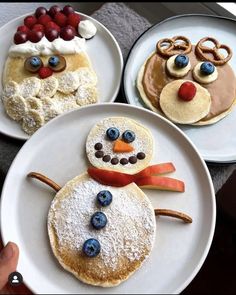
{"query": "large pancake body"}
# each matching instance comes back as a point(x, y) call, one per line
point(14, 66)
point(143, 143)
point(126, 241)
point(222, 90)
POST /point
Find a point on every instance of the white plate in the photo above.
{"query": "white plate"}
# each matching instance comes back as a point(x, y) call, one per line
point(179, 249)
point(103, 51)
point(213, 142)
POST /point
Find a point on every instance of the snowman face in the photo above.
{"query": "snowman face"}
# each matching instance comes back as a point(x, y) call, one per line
point(125, 242)
point(119, 144)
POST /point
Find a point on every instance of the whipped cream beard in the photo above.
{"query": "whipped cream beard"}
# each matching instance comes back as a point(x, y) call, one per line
point(45, 79)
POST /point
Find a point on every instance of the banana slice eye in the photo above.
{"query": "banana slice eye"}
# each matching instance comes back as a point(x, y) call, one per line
point(57, 63)
point(33, 64)
point(178, 65)
point(205, 72)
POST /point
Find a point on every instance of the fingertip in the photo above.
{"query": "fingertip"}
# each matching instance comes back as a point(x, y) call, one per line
point(14, 247)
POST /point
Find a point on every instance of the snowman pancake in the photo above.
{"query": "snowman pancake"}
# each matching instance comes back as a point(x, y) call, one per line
point(101, 234)
point(189, 84)
point(119, 144)
point(48, 71)
point(102, 229)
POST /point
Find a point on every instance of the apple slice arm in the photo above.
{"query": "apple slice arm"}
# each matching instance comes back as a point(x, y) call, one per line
point(172, 213)
point(111, 178)
point(156, 169)
point(161, 183)
point(45, 179)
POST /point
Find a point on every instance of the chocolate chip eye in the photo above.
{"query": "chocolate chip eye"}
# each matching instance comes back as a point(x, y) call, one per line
point(33, 64)
point(128, 136)
point(57, 63)
point(112, 133)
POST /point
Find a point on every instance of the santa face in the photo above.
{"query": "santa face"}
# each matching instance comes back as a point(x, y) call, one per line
point(47, 79)
point(119, 144)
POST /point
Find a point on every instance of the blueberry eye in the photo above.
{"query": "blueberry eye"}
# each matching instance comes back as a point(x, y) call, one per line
point(128, 136)
point(33, 64)
point(53, 61)
point(57, 63)
point(35, 61)
point(112, 133)
point(207, 68)
point(181, 61)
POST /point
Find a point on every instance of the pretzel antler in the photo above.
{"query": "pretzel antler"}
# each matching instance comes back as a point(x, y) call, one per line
point(216, 58)
point(174, 47)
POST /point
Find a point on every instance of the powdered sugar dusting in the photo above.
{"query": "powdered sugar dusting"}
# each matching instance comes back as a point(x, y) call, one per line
point(130, 230)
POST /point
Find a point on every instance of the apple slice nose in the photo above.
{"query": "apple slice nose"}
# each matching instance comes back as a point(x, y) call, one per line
point(122, 147)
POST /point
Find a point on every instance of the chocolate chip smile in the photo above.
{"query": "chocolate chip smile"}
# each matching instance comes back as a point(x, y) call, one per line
point(114, 161)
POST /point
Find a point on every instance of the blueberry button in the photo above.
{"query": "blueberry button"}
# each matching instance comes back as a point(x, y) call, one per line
point(98, 220)
point(91, 247)
point(104, 198)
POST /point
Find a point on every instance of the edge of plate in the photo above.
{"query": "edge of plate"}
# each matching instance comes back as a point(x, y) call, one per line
point(213, 222)
point(121, 62)
point(124, 74)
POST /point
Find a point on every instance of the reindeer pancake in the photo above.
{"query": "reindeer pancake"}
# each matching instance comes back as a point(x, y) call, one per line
point(47, 71)
point(189, 84)
point(119, 144)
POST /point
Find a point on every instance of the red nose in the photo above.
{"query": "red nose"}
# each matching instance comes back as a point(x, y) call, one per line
point(187, 91)
point(45, 72)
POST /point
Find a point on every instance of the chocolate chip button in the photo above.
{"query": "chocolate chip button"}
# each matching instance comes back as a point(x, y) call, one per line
point(106, 158)
point(114, 161)
point(124, 161)
point(98, 146)
point(132, 160)
point(141, 156)
point(99, 154)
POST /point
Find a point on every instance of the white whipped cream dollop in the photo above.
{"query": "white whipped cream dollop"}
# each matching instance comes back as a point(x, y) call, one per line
point(87, 29)
point(45, 47)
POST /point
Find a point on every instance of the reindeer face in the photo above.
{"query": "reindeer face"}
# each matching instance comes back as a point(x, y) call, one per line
point(210, 90)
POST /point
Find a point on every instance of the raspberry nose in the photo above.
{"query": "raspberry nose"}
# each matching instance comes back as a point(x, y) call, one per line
point(122, 147)
point(45, 72)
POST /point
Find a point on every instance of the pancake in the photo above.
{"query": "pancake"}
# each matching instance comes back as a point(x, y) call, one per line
point(184, 112)
point(222, 90)
point(62, 91)
point(14, 67)
point(126, 240)
point(143, 143)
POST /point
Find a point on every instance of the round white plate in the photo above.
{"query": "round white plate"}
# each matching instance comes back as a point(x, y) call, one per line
point(105, 55)
point(58, 151)
point(214, 142)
